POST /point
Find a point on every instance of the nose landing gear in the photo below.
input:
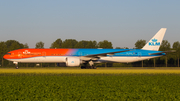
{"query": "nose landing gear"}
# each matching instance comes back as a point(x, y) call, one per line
point(16, 64)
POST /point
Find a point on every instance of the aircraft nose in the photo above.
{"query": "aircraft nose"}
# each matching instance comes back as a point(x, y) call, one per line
point(5, 56)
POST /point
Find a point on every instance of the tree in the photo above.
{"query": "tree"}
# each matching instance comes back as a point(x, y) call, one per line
point(81, 44)
point(40, 44)
point(26, 45)
point(118, 48)
point(176, 46)
point(165, 46)
point(57, 44)
point(105, 44)
point(91, 44)
point(69, 43)
point(121, 48)
point(3, 51)
point(140, 44)
point(13, 45)
point(3, 47)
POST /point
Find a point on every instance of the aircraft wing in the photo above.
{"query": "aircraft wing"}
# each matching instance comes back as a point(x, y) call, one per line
point(163, 52)
point(105, 54)
point(97, 56)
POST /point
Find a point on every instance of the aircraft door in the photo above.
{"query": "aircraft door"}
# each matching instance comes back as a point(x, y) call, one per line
point(43, 59)
point(139, 55)
point(43, 53)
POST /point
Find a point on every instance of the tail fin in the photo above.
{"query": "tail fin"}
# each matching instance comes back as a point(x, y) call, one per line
point(155, 42)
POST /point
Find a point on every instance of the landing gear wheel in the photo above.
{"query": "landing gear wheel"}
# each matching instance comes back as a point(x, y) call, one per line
point(88, 67)
point(83, 67)
point(16, 64)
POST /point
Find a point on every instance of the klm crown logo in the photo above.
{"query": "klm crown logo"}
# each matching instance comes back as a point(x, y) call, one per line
point(154, 42)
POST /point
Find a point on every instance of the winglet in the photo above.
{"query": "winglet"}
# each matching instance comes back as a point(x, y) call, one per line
point(156, 41)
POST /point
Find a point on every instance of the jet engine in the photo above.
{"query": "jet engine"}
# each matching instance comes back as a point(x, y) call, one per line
point(72, 61)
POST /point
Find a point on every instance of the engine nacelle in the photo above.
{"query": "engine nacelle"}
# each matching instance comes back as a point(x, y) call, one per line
point(72, 61)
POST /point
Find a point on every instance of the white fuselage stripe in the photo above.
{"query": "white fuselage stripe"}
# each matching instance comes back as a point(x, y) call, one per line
point(59, 59)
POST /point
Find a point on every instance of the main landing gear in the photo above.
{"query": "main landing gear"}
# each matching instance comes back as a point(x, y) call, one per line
point(16, 65)
point(88, 67)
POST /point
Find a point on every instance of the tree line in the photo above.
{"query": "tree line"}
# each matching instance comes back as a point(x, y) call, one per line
point(72, 43)
point(171, 59)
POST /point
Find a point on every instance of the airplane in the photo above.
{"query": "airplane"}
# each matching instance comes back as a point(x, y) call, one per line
point(87, 57)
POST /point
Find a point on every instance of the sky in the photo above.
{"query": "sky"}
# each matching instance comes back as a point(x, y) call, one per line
point(121, 22)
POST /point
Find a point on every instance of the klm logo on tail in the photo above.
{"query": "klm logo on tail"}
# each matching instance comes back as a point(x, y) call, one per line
point(154, 43)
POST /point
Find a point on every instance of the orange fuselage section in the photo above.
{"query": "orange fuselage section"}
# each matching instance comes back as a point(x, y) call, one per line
point(27, 53)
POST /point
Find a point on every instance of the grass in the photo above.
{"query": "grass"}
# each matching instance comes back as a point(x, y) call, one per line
point(81, 87)
point(93, 71)
point(100, 84)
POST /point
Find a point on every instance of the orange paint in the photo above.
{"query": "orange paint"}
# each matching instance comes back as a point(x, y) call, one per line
point(27, 53)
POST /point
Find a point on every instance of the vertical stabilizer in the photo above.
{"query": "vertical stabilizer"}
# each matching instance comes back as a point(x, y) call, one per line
point(156, 41)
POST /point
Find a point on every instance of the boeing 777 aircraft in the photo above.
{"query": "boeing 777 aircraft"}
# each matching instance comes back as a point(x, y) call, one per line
point(87, 57)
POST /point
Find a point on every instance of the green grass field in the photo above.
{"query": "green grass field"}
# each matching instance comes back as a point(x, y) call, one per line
point(99, 84)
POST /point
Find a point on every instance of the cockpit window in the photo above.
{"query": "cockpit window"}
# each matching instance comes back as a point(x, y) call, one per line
point(8, 54)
